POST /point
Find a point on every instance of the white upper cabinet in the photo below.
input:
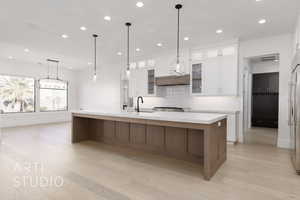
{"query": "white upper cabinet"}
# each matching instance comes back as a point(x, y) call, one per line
point(214, 72)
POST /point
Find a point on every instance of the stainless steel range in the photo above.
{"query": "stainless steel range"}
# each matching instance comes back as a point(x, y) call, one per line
point(169, 109)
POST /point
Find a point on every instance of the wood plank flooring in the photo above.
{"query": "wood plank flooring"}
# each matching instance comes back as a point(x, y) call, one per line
point(258, 135)
point(96, 171)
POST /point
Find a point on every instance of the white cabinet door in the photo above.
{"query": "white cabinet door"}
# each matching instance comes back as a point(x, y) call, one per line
point(219, 76)
point(219, 70)
point(211, 75)
point(228, 74)
point(196, 78)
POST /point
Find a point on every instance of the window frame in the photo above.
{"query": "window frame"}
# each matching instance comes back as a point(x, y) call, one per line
point(39, 95)
point(34, 93)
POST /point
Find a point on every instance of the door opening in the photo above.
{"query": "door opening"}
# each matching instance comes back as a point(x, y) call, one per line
point(262, 100)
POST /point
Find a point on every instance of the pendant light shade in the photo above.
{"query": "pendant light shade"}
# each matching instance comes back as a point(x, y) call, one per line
point(95, 57)
point(48, 67)
point(128, 50)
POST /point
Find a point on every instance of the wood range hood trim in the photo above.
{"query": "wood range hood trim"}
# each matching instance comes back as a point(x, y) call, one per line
point(172, 80)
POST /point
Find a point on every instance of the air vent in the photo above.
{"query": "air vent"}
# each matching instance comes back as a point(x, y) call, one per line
point(269, 58)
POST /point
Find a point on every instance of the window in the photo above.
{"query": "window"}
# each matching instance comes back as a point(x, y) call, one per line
point(53, 95)
point(197, 78)
point(17, 94)
point(151, 81)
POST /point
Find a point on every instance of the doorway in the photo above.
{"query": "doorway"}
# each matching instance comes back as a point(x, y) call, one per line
point(261, 100)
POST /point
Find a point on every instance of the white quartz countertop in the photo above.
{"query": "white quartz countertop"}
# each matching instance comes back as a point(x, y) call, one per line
point(200, 118)
point(215, 111)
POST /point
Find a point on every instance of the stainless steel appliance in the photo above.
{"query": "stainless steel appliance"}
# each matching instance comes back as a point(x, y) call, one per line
point(294, 116)
point(169, 109)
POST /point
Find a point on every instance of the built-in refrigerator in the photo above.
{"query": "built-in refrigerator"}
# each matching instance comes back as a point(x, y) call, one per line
point(294, 116)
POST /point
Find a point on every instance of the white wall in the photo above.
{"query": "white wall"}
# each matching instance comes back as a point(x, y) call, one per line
point(264, 67)
point(13, 67)
point(104, 94)
point(281, 44)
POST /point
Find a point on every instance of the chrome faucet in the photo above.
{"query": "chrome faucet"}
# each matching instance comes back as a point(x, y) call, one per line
point(138, 103)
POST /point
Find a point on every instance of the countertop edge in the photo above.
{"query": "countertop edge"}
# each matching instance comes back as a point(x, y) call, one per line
point(207, 122)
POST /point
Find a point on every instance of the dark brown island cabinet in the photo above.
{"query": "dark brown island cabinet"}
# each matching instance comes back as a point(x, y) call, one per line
point(204, 144)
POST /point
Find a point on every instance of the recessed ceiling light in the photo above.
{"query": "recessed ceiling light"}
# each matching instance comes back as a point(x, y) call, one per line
point(219, 31)
point(119, 53)
point(64, 36)
point(139, 4)
point(262, 21)
point(186, 38)
point(83, 28)
point(159, 44)
point(138, 49)
point(107, 18)
point(258, 0)
point(89, 63)
point(26, 50)
point(10, 57)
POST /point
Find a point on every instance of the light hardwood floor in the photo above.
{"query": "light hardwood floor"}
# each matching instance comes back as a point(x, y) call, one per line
point(258, 135)
point(96, 171)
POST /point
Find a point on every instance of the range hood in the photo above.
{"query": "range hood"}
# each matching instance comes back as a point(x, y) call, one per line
point(173, 80)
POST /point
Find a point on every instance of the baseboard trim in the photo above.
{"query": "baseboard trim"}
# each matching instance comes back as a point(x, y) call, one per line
point(284, 143)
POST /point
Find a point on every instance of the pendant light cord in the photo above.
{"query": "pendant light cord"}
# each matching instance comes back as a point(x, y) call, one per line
point(128, 48)
point(178, 34)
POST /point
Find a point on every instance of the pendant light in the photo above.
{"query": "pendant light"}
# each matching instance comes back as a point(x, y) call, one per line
point(95, 57)
point(128, 50)
point(48, 69)
point(178, 64)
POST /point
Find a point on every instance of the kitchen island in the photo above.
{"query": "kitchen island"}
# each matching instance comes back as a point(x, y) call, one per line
point(194, 137)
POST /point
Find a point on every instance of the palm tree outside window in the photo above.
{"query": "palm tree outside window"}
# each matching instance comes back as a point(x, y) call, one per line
point(17, 94)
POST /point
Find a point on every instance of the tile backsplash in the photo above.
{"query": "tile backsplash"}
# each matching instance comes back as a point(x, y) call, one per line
point(173, 91)
point(179, 98)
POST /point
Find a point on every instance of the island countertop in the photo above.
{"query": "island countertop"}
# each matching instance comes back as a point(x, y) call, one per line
point(199, 118)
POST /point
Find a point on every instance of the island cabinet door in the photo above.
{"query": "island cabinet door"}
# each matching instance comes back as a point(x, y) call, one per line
point(123, 132)
point(196, 142)
point(80, 129)
point(138, 135)
point(176, 141)
point(155, 136)
point(109, 130)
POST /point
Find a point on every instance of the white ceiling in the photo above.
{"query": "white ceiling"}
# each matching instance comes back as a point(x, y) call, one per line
point(39, 24)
